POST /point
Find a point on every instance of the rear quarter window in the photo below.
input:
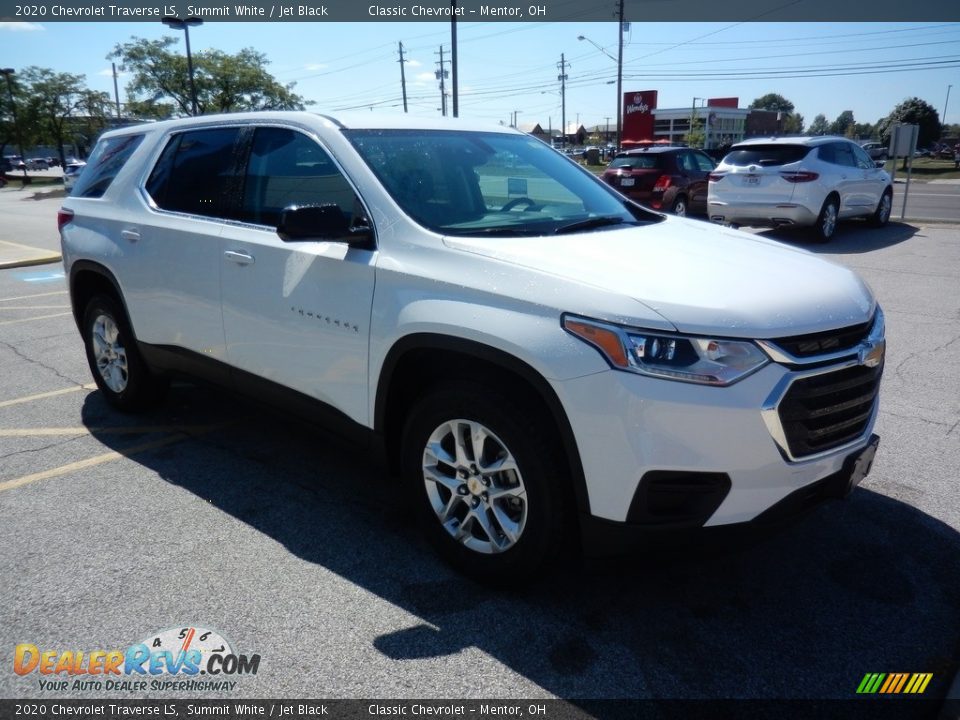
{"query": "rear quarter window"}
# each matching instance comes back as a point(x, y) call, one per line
point(637, 162)
point(108, 158)
point(766, 155)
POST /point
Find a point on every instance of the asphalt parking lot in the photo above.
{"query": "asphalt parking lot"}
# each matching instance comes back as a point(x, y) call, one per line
point(213, 514)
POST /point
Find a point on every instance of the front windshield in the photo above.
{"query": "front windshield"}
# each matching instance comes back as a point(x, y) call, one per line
point(488, 183)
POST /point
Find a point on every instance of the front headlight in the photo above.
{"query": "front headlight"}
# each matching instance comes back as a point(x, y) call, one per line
point(703, 360)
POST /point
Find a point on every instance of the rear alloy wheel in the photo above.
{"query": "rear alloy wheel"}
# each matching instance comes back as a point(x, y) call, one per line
point(487, 481)
point(679, 207)
point(881, 215)
point(119, 371)
point(827, 220)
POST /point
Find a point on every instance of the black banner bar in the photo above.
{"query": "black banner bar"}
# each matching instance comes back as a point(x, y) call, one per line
point(477, 11)
point(874, 708)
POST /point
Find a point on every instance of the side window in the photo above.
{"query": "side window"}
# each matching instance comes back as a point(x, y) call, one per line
point(704, 162)
point(196, 173)
point(826, 154)
point(838, 154)
point(109, 156)
point(863, 159)
point(686, 162)
point(288, 168)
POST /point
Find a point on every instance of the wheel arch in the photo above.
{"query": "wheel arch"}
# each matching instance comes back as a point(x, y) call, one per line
point(87, 279)
point(417, 361)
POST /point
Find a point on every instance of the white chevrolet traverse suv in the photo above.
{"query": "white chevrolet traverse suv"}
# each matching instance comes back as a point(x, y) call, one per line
point(540, 358)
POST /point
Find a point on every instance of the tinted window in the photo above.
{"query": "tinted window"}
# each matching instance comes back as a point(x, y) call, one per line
point(288, 168)
point(637, 162)
point(704, 163)
point(766, 155)
point(196, 173)
point(837, 154)
point(863, 160)
point(109, 156)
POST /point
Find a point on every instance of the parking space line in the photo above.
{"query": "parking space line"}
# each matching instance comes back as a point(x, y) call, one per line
point(35, 307)
point(42, 396)
point(104, 458)
point(35, 295)
point(40, 317)
point(119, 430)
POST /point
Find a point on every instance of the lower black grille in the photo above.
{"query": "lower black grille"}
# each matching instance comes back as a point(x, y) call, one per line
point(825, 411)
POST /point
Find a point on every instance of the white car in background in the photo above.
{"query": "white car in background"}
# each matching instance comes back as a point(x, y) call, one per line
point(798, 181)
point(71, 173)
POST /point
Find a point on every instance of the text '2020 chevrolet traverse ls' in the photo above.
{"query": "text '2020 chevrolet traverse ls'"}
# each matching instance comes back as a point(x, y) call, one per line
point(539, 357)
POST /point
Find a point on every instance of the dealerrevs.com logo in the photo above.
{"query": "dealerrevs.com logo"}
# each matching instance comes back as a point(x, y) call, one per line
point(179, 659)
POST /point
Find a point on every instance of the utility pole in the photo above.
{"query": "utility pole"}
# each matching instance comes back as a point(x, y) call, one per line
point(562, 77)
point(943, 119)
point(441, 76)
point(453, 56)
point(116, 91)
point(403, 79)
point(619, 72)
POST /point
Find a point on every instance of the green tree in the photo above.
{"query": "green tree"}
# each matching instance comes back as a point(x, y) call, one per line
point(913, 111)
point(863, 130)
point(793, 124)
point(772, 101)
point(819, 126)
point(225, 83)
point(57, 103)
point(843, 123)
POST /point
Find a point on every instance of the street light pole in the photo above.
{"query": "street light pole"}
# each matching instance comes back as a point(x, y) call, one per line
point(8, 72)
point(943, 120)
point(185, 24)
point(619, 60)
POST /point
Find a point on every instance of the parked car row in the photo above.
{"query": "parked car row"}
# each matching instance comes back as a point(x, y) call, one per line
point(766, 182)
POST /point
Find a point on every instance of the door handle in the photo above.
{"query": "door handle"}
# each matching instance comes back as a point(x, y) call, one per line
point(240, 258)
point(130, 235)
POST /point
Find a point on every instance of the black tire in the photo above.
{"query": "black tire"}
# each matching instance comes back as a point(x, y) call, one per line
point(117, 366)
point(881, 215)
point(826, 225)
point(680, 207)
point(541, 473)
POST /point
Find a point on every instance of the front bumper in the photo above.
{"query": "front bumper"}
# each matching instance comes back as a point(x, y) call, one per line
point(690, 431)
point(604, 537)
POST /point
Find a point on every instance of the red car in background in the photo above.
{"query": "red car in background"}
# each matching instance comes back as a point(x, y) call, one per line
point(672, 179)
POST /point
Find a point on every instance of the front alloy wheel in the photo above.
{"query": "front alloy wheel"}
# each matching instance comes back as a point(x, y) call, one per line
point(474, 486)
point(486, 473)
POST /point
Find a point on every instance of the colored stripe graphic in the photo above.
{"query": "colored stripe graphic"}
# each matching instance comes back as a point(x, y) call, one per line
point(894, 683)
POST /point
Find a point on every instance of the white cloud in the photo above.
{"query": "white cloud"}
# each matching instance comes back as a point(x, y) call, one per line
point(315, 66)
point(414, 63)
point(21, 26)
point(425, 77)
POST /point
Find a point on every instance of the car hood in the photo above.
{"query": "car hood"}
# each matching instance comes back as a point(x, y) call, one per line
point(703, 278)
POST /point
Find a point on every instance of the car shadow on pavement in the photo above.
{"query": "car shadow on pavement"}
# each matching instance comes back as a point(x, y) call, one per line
point(846, 241)
point(869, 584)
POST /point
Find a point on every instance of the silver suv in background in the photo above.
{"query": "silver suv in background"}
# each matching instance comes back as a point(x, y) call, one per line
point(799, 181)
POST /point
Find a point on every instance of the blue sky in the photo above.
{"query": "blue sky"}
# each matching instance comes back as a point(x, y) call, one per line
point(821, 67)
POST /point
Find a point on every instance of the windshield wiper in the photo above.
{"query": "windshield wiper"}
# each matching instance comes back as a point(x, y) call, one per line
point(505, 231)
point(589, 223)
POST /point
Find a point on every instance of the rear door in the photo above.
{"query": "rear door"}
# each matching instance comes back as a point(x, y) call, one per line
point(844, 176)
point(172, 285)
point(697, 167)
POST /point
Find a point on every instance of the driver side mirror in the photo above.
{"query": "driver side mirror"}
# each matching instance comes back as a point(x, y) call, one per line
point(299, 223)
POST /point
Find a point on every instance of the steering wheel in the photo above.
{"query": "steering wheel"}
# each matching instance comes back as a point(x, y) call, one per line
point(519, 201)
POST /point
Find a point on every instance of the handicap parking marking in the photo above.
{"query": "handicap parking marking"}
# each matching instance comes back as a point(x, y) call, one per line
point(40, 276)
